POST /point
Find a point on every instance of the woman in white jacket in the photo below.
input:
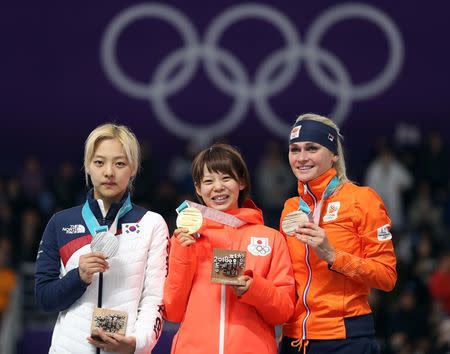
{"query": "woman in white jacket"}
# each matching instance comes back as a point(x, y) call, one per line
point(67, 270)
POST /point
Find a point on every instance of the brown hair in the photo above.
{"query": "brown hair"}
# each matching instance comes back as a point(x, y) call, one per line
point(222, 158)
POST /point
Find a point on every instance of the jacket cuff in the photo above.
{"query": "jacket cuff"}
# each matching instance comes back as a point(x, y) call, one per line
point(345, 263)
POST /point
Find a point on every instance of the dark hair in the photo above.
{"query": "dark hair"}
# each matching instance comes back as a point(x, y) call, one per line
point(222, 158)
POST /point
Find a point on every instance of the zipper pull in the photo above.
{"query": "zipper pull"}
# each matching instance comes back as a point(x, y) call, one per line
point(305, 188)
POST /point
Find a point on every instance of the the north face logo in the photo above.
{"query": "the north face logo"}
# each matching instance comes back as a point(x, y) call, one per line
point(74, 229)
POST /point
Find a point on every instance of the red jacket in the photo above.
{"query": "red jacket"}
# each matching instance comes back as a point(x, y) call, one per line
point(215, 320)
point(332, 300)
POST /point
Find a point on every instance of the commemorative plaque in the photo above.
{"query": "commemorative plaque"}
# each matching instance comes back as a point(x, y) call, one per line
point(110, 321)
point(227, 266)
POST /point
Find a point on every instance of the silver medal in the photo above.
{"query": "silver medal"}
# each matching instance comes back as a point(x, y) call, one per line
point(106, 243)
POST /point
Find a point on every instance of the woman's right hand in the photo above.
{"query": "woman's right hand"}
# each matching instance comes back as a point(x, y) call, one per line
point(90, 264)
point(182, 236)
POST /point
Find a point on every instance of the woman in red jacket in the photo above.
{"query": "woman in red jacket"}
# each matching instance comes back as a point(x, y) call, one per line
point(340, 250)
point(218, 318)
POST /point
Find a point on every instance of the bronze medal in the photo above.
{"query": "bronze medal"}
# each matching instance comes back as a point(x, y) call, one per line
point(292, 220)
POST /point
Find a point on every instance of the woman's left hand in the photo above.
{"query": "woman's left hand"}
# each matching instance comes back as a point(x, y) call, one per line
point(314, 236)
point(115, 343)
point(240, 290)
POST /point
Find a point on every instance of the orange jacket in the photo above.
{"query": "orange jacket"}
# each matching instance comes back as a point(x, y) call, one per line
point(357, 225)
point(215, 320)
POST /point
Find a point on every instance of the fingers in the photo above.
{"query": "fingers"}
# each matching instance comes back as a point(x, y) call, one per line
point(310, 233)
point(239, 290)
point(107, 342)
point(92, 263)
point(182, 236)
point(112, 342)
point(180, 230)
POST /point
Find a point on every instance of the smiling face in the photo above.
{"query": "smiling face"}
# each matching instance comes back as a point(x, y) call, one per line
point(110, 171)
point(219, 190)
point(309, 160)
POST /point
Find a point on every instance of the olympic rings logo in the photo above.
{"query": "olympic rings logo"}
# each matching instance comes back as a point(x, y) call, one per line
point(240, 86)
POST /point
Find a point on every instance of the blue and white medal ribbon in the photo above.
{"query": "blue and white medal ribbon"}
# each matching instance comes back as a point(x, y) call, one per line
point(104, 240)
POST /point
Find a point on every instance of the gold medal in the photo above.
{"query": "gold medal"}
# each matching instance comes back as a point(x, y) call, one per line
point(292, 220)
point(190, 218)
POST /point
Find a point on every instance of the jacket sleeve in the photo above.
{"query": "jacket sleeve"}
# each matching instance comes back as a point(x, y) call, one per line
point(53, 292)
point(274, 296)
point(149, 321)
point(182, 267)
point(377, 266)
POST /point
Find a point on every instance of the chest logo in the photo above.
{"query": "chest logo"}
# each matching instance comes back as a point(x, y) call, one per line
point(259, 246)
point(332, 211)
point(74, 229)
point(132, 228)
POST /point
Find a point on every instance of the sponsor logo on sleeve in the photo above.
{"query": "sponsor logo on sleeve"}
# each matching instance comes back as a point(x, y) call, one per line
point(384, 233)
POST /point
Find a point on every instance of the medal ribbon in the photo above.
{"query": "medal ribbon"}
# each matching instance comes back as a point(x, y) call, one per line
point(94, 226)
point(212, 214)
point(329, 190)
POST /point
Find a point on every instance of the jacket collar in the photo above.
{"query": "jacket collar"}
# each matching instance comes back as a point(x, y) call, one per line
point(112, 212)
point(316, 186)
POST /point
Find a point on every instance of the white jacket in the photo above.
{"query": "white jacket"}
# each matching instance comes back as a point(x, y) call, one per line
point(133, 283)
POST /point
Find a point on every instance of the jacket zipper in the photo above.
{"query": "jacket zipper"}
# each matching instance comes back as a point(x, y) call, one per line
point(308, 282)
point(223, 296)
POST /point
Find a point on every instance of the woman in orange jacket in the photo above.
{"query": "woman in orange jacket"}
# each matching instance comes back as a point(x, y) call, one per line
point(341, 247)
point(218, 318)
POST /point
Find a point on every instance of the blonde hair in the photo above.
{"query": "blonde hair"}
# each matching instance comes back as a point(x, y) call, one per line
point(339, 165)
point(126, 137)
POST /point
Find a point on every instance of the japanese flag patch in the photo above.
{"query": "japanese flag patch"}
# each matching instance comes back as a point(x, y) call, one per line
point(384, 233)
point(259, 246)
point(131, 228)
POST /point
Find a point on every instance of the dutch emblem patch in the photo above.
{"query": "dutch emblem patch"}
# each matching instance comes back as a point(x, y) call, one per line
point(131, 228)
point(259, 246)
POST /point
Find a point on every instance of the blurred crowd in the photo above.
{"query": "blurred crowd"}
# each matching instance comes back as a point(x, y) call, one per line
point(412, 177)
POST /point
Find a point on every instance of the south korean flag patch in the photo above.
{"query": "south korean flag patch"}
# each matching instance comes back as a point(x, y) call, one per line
point(131, 228)
point(259, 246)
point(384, 233)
